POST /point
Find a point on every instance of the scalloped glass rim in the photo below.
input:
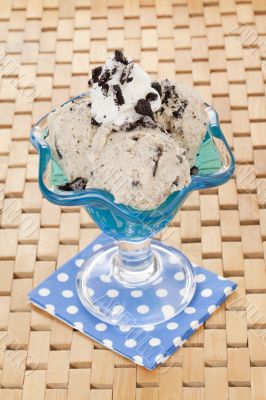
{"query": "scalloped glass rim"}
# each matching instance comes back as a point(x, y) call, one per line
point(99, 196)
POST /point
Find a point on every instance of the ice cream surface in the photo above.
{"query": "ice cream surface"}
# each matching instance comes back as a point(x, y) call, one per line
point(135, 138)
point(120, 91)
point(183, 116)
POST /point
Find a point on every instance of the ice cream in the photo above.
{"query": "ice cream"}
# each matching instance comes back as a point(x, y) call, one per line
point(69, 138)
point(135, 138)
point(140, 168)
point(183, 115)
point(121, 92)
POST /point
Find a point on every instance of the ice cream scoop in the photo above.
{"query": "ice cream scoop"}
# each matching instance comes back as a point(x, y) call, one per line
point(183, 116)
point(69, 137)
point(140, 168)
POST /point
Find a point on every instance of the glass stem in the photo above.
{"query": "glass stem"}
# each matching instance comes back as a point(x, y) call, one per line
point(135, 263)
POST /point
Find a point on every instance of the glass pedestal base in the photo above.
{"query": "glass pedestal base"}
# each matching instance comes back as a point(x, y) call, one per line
point(136, 289)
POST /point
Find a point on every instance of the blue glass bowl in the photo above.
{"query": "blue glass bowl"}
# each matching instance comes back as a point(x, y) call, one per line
point(134, 261)
point(215, 164)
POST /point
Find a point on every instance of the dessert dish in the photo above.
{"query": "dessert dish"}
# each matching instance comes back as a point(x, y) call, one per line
point(135, 138)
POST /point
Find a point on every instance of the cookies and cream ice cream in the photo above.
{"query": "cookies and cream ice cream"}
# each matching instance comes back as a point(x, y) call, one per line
point(135, 138)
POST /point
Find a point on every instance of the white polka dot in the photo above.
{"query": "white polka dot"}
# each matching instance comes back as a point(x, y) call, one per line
point(136, 293)
point(179, 276)
point(130, 343)
point(227, 290)
point(168, 311)
point(100, 327)
point(97, 246)
point(72, 309)
point(90, 292)
point(79, 262)
point(108, 343)
point(194, 265)
point(206, 293)
point(211, 309)
point(148, 328)
point(195, 324)
point(143, 309)
point(178, 341)
point(62, 277)
point(138, 359)
point(67, 293)
point(182, 291)
point(161, 292)
point(44, 292)
point(50, 308)
point(112, 293)
point(79, 326)
point(124, 328)
point(160, 359)
point(172, 260)
point(154, 342)
point(105, 278)
point(221, 278)
point(200, 278)
point(190, 310)
point(172, 326)
point(118, 309)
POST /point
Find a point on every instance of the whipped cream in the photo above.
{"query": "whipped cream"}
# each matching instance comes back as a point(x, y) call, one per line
point(121, 92)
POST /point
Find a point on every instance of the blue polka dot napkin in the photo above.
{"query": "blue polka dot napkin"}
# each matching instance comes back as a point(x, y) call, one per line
point(147, 346)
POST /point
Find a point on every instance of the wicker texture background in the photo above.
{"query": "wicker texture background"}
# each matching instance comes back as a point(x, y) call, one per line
point(47, 48)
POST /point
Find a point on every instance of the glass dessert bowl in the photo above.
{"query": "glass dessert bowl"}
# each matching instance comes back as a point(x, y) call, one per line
point(135, 281)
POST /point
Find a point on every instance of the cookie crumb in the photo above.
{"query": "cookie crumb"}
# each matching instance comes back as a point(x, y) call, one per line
point(143, 107)
point(158, 155)
point(77, 184)
point(194, 170)
point(156, 85)
point(152, 96)
point(119, 57)
point(119, 99)
point(94, 122)
point(96, 72)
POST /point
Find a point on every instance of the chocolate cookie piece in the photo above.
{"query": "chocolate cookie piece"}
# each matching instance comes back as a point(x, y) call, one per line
point(94, 122)
point(143, 122)
point(125, 76)
point(151, 96)
point(176, 181)
point(158, 155)
point(194, 170)
point(156, 85)
point(102, 81)
point(76, 184)
point(119, 57)
point(134, 125)
point(143, 107)
point(119, 99)
point(135, 183)
point(166, 97)
point(180, 111)
point(105, 89)
point(96, 72)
